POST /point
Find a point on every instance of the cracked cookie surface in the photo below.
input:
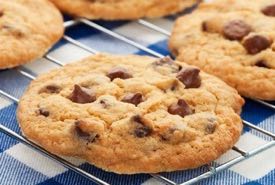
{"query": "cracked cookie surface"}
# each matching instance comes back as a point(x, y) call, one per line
point(132, 114)
point(28, 28)
point(232, 42)
point(122, 9)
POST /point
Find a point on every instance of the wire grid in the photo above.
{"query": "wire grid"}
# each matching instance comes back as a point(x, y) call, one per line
point(211, 169)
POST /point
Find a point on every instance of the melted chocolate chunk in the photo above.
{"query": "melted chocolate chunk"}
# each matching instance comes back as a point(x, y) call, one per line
point(236, 30)
point(180, 108)
point(190, 77)
point(119, 72)
point(256, 44)
point(133, 98)
point(269, 10)
point(261, 63)
point(50, 89)
point(82, 95)
point(141, 129)
point(90, 137)
point(44, 112)
point(1, 13)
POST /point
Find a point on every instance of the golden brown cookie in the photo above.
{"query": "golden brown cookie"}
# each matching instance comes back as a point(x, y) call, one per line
point(236, 45)
point(264, 6)
point(122, 9)
point(132, 114)
point(28, 28)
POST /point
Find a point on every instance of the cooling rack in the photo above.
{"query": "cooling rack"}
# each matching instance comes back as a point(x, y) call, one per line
point(211, 168)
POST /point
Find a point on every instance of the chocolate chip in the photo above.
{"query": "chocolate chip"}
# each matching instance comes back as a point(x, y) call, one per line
point(204, 26)
point(137, 119)
point(166, 136)
point(236, 30)
point(50, 89)
point(261, 63)
point(82, 95)
point(169, 62)
point(210, 128)
point(44, 112)
point(190, 77)
point(164, 60)
point(212, 25)
point(174, 86)
point(104, 104)
point(141, 129)
point(256, 44)
point(13, 30)
point(180, 108)
point(142, 132)
point(269, 10)
point(90, 137)
point(1, 13)
point(133, 98)
point(119, 72)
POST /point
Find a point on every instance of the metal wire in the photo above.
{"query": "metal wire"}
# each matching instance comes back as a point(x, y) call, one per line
point(9, 96)
point(154, 27)
point(163, 179)
point(26, 74)
point(237, 149)
point(70, 23)
point(79, 44)
point(229, 164)
point(258, 129)
point(212, 170)
point(120, 37)
point(266, 104)
point(48, 57)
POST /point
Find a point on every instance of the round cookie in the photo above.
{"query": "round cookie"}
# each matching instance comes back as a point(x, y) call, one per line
point(132, 114)
point(122, 9)
point(237, 46)
point(28, 28)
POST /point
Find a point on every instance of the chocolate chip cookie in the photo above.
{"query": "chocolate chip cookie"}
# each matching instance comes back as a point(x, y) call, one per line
point(132, 114)
point(122, 9)
point(235, 44)
point(28, 28)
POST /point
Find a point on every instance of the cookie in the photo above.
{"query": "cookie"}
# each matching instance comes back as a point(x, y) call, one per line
point(132, 114)
point(265, 6)
point(236, 45)
point(122, 9)
point(28, 28)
